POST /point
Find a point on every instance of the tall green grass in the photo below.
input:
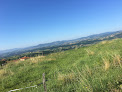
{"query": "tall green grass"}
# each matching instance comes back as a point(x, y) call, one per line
point(97, 68)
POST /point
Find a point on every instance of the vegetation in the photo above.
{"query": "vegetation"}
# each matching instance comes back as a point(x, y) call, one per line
point(95, 68)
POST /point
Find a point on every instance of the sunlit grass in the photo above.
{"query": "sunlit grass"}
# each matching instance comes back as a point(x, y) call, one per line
point(96, 68)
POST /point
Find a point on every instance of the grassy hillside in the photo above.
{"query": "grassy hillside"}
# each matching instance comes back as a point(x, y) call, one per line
point(97, 68)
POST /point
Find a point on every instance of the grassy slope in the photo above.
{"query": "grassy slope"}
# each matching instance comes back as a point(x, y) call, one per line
point(96, 68)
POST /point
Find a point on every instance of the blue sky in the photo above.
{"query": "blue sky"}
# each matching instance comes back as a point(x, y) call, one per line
point(26, 23)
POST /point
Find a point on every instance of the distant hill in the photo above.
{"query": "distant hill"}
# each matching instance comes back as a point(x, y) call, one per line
point(79, 41)
point(9, 50)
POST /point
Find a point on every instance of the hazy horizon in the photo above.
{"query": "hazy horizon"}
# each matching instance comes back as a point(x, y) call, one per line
point(29, 23)
point(54, 41)
point(48, 42)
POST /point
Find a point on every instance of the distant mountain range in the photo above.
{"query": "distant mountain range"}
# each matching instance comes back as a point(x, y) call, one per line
point(9, 50)
point(16, 51)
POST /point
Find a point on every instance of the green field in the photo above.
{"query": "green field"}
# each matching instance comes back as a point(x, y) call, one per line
point(95, 68)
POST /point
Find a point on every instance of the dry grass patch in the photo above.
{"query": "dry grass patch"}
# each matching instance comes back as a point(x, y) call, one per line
point(106, 64)
point(88, 70)
point(37, 59)
point(117, 60)
point(66, 77)
point(115, 90)
point(4, 72)
point(89, 52)
point(50, 59)
point(17, 62)
point(103, 42)
point(40, 59)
